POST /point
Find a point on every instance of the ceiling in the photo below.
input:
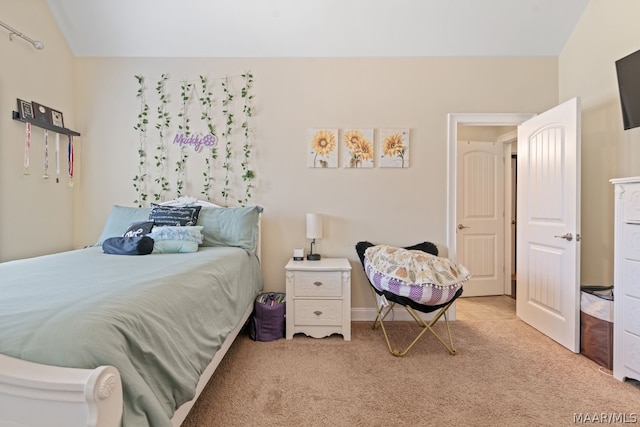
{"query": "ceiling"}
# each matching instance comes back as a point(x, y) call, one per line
point(316, 28)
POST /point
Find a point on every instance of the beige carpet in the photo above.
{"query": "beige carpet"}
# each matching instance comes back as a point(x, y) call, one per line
point(505, 374)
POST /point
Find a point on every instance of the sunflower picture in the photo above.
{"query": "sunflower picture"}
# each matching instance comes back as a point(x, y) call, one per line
point(358, 148)
point(323, 148)
point(394, 148)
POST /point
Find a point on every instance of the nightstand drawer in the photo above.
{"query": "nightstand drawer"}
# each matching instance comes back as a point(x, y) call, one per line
point(318, 312)
point(317, 284)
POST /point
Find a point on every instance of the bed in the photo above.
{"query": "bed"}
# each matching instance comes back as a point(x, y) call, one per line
point(94, 339)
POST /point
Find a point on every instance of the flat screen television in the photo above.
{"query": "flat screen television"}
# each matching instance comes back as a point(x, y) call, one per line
point(628, 70)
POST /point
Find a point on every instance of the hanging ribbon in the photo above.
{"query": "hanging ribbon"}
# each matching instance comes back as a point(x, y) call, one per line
point(70, 159)
point(57, 157)
point(45, 175)
point(27, 147)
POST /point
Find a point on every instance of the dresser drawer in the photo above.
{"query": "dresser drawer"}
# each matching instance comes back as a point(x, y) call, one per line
point(317, 284)
point(631, 237)
point(318, 312)
point(631, 314)
point(631, 278)
point(631, 351)
point(631, 199)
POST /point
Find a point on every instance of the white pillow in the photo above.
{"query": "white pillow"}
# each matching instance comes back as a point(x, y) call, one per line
point(176, 239)
point(188, 201)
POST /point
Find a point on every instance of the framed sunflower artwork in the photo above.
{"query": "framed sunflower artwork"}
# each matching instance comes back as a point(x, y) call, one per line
point(394, 148)
point(358, 148)
point(322, 148)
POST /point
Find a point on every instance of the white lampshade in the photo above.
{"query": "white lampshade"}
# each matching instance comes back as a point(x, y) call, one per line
point(314, 226)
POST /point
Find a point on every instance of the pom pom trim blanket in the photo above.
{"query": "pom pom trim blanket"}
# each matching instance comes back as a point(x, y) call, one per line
point(424, 278)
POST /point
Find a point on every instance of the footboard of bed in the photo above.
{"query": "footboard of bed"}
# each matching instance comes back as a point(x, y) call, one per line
point(35, 395)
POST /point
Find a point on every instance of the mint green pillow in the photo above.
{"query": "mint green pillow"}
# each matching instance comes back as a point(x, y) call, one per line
point(174, 246)
point(119, 220)
point(237, 227)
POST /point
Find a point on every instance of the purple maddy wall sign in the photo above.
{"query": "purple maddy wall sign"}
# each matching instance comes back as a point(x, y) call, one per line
point(195, 139)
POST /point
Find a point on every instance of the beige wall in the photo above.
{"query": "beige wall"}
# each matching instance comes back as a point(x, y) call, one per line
point(382, 205)
point(292, 95)
point(607, 31)
point(35, 214)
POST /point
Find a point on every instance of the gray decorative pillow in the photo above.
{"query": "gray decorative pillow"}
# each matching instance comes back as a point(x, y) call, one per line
point(141, 228)
point(174, 215)
point(139, 245)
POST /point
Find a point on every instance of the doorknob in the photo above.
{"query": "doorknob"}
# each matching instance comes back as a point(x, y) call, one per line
point(567, 236)
point(460, 226)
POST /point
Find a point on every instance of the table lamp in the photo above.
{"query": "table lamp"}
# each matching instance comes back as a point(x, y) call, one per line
point(314, 231)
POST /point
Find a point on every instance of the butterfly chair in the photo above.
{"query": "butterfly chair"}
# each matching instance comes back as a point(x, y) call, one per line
point(417, 279)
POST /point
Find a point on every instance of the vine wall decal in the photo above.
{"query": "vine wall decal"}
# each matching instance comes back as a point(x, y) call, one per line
point(181, 164)
point(162, 124)
point(225, 180)
point(247, 109)
point(140, 180)
point(206, 104)
point(228, 115)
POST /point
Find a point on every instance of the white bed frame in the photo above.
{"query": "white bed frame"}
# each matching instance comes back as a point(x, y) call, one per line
point(36, 395)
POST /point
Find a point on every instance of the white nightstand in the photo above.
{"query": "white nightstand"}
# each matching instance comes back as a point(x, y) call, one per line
point(319, 297)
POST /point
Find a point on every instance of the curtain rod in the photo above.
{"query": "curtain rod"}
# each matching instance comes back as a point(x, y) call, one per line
point(37, 44)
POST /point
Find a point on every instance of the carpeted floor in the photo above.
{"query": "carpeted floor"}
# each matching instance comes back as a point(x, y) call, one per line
point(505, 374)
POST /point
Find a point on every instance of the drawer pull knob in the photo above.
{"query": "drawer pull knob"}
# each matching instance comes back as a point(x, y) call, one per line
point(317, 283)
point(317, 312)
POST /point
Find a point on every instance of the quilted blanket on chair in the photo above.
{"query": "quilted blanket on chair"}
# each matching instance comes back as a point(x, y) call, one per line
point(422, 277)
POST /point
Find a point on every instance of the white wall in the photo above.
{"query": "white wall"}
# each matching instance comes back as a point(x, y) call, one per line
point(607, 31)
point(395, 206)
point(35, 214)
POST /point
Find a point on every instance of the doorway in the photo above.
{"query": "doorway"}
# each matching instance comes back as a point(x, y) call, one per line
point(499, 307)
point(509, 122)
point(548, 261)
point(485, 208)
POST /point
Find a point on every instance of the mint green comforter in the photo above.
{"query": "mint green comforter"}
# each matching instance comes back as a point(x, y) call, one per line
point(158, 318)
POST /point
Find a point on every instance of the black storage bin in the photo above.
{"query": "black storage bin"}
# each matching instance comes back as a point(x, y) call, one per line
point(267, 322)
point(596, 324)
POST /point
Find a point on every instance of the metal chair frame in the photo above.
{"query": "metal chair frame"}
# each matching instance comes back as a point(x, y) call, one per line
point(411, 306)
point(383, 312)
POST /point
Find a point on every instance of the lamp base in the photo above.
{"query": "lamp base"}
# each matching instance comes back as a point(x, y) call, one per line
point(313, 257)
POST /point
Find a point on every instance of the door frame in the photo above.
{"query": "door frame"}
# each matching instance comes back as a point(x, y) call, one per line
point(473, 119)
point(507, 140)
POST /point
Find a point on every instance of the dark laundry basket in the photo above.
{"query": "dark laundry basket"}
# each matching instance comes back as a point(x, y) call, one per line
point(596, 324)
point(267, 322)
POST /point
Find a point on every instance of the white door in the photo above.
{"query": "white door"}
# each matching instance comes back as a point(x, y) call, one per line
point(480, 216)
point(548, 224)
